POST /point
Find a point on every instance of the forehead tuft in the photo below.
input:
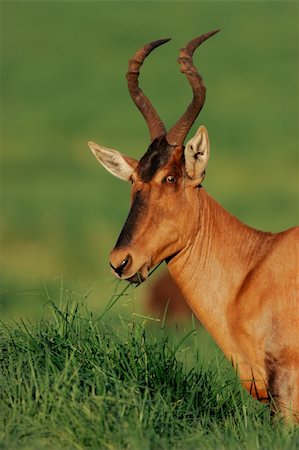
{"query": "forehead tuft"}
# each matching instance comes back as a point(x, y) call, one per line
point(156, 156)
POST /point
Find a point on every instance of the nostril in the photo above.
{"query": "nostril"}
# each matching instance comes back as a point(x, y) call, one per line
point(119, 270)
point(125, 262)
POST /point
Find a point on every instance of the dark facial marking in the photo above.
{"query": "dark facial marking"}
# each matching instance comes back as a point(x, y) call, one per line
point(156, 156)
point(131, 222)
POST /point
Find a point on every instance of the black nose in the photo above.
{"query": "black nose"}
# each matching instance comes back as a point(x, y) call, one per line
point(119, 270)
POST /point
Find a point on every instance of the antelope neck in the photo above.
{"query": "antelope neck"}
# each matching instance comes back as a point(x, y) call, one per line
point(224, 251)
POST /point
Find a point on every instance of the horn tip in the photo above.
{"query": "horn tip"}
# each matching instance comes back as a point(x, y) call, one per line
point(209, 34)
point(215, 31)
point(161, 42)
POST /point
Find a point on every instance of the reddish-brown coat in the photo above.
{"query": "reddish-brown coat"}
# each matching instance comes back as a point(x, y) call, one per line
point(242, 284)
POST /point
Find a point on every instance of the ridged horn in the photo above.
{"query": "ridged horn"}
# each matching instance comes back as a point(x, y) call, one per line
point(154, 123)
point(179, 131)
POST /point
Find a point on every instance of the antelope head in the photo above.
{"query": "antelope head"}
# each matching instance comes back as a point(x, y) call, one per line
point(166, 179)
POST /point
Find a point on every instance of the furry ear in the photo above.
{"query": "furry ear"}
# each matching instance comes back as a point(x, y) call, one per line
point(119, 165)
point(197, 153)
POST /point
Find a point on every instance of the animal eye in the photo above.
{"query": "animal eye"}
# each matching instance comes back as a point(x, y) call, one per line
point(170, 179)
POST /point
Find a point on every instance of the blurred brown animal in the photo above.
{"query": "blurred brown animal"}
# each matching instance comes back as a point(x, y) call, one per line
point(164, 298)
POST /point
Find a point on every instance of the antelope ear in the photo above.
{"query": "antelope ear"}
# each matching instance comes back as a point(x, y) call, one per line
point(119, 165)
point(197, 152)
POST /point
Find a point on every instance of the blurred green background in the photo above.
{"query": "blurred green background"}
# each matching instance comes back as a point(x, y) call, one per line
point(62, 84)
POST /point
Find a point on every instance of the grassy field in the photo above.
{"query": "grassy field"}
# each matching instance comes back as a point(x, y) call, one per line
point(62, 84)
point(72, 381)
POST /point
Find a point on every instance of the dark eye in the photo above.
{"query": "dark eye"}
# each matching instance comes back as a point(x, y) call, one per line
point(170, 179)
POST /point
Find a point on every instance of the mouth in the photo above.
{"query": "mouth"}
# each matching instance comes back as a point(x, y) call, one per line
point(140, 276)
point(136, 279)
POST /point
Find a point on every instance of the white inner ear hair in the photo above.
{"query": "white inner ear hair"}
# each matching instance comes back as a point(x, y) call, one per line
point(115, 163)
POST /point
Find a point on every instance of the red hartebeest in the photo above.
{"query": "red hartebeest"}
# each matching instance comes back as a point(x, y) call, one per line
point(239, 282)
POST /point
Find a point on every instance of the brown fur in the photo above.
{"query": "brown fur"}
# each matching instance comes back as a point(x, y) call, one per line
point(242, 284)
point(239, 282)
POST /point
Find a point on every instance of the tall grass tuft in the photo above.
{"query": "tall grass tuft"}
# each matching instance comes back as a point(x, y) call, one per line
point(72, 381)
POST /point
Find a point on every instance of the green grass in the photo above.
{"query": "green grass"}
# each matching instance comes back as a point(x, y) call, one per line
point(72, 380)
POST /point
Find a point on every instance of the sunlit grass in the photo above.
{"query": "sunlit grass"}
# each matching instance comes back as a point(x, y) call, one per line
point(70, 380)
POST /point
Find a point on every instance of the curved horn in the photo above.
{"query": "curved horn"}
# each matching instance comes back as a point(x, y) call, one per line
point(154, 123)
point(179, 131)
